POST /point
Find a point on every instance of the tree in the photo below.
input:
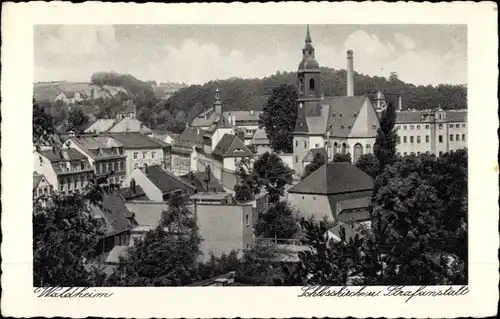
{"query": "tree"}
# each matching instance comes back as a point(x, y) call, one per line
point(340, 158)
point(77, 119)
point(278, 222)
point(270, 172)
point(65, 235)
point(368, 164)
point(44, 133)
point(248, 183)
point(257, 268)
point(385, 142)
point(166, 256)
point(279, 117)
point(318, 161)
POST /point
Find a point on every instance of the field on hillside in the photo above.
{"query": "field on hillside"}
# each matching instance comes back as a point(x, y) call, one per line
point(48, 91)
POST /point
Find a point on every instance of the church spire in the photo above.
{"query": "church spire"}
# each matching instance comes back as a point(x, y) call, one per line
point(308, 35)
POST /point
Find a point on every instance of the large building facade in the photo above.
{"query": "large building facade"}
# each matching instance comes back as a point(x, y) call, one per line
point(340, 124)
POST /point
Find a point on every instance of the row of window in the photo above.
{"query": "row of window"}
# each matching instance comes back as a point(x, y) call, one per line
point(64, 167)
point(144, 155)
point(405, 127)
point(75, 182)
point(418, 153)
point(440, 138)
point(104, 168)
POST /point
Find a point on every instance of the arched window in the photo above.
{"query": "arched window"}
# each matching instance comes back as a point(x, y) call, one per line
point(136, 165)
point(301, 85)
point(311, 84)
point(358, 151)
point(344, 148)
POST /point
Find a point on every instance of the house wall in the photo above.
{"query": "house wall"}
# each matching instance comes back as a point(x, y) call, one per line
point(316, 142)
point(150, 189)
point(43, 189)
point(300, 148)
point(224, 228)
point(261, 149)
point(287, 159)
point(44, 167)
point(181, 164)
point(137, 157)
point(429, 134)
point(316, 206)
point(218, 134)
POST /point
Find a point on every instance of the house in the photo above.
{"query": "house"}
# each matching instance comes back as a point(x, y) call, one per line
point(116, 222)
point(340, 124)
point(66, 170)
point(125, 122)
point(157, 184)
point(183, 148)
point(141, 150)
point(203, 181)
point(212, 198)
point(313, 153)
point(224, 228)
point(147, 216)
point(430, 131)
point(68, 97)
point(260, 142)
point(337, 191)
point(105, 154)
point(41, 187)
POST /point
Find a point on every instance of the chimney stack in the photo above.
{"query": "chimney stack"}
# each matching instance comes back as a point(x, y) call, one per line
point(350, 74)
point(400, 103)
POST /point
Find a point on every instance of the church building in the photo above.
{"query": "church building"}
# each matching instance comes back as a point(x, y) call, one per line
point(339, 124)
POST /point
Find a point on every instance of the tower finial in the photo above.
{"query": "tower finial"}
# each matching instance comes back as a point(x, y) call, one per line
point(308, 36)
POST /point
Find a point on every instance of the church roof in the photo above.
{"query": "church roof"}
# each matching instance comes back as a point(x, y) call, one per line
point(336, 115)
point(308, 64)
point(334, 178)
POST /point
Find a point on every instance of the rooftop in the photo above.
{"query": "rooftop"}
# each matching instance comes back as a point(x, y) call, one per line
point(165, 181)
point(334, 178)
point(137, 140)
point(65, 154)
point(211, 196)
point(231, 146)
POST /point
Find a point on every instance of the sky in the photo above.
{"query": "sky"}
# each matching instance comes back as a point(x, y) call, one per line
point(195, 54)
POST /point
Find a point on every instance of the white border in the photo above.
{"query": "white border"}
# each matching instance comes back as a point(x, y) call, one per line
point(17, 78)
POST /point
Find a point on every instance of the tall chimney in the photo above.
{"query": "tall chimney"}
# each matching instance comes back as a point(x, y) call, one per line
point(400, 103)
point(350, 74)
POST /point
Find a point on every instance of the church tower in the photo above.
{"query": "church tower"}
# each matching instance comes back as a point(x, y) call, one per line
point(309, 94)
point(309, 74)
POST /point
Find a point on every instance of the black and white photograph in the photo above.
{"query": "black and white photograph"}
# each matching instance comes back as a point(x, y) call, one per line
point(304, 155)
point(327, 157)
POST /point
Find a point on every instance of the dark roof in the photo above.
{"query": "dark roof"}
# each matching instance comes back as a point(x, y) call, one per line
point(307, 64)
point(312, 153)
point(198, 180)
point(137, 140)
point(66, 154)
point(420, 116)
point(165, 181)
point(191, 136)
point(128, 194)
point(231, 146)
point(115, 213)
point(333, 178)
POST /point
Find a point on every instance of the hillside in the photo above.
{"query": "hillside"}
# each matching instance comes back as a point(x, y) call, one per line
point(47, 91)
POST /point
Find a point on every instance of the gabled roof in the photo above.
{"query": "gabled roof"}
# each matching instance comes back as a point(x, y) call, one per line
point(97, 146)
point(312, 153)
point(334, 178)
point(191, 136)
point(147, 213)
point(335, 114)
point(231, 146)
point(128, 124)
point(115, 212)
point(101, 125)
point(260, 137)
point(37, 178)
point(65, 154)
point(199, 180)
point(165, 181)
point(137, 140)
